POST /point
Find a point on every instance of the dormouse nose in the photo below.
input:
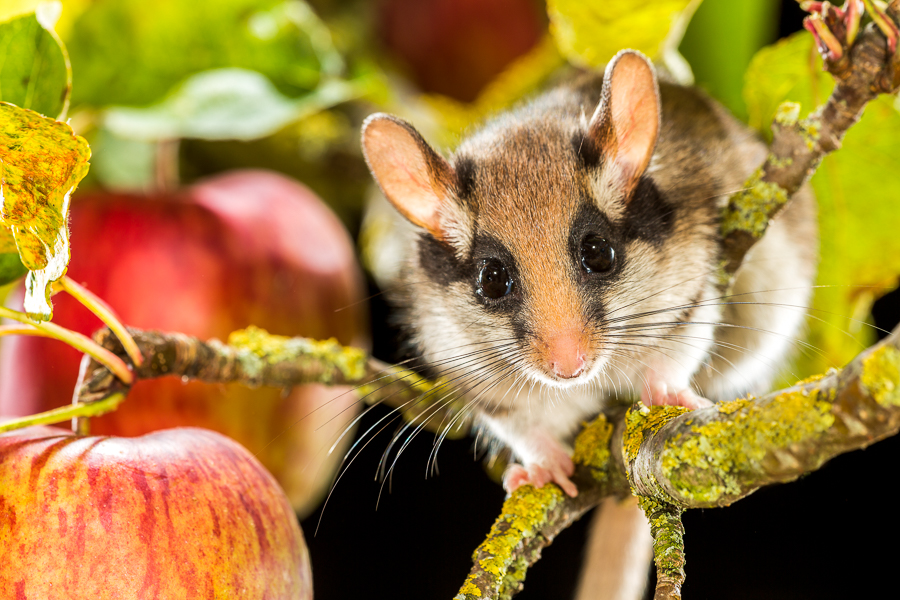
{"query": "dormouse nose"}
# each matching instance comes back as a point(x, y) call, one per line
point(566, 353)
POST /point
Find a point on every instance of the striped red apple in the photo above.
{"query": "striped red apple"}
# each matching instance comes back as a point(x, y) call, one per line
point(238, 249)
point(175, 514)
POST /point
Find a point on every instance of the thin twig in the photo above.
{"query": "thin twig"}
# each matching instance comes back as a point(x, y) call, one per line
point(863, 72)
point(78, 341)
point(105, 313)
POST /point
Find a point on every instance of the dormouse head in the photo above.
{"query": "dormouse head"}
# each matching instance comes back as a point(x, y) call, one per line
point(538, 226)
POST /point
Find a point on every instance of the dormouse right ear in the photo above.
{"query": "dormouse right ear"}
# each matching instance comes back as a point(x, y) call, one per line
point(416, 179)
point(625, 126)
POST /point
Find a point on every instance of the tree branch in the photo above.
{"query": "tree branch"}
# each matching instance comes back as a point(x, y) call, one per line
point(864, 69)
point(254, 358)
point(676, 459)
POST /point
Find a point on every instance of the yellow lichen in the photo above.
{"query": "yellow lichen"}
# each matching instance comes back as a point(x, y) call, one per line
point(668, 535)
point(709, 465)
point(749, 209)
point(592, 447)
point(779, 163)
point(642, 422)
point(810, 131)
point(810, 379)
point(522, 516)
point(726, 408)
point(351, 362)
point(787, 113)
point(881, 375)
point(468, 590)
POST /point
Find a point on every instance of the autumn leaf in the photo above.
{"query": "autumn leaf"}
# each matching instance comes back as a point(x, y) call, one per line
point(41, 163)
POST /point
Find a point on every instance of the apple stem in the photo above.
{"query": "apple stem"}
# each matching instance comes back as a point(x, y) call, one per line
point(105, 313)
point(64, 413)
point(78, 341)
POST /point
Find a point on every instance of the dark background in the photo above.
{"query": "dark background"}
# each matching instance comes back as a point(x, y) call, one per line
point(828, 535)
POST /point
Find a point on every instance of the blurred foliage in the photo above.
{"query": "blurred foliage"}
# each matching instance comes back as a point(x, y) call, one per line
point(856, 188)
point(224, 104)
point(590, 33)
point(518, 80)
point(34, 72)
point(133, 53)
point(720, 41)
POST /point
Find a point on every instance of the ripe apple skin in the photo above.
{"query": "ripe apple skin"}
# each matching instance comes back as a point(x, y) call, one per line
point(179, 513)
point(243, 248)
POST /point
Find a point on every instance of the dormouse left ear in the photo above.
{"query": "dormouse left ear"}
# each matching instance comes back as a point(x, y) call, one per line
point(625, 126)
point(414, 178)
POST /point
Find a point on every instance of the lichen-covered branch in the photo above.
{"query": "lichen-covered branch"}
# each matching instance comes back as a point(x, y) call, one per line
point(715, 456)
point(531, 518)
point(863, 67)
point(254, 357)
point(668, 547)
point(676, 459)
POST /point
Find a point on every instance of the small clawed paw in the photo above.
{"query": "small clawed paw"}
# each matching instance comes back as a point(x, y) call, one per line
point(661, 395)
point(558, 470)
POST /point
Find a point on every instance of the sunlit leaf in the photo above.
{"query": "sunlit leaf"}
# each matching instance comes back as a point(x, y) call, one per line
point(857, 189)
point(34, 69)
point(224, 104)
point(41, 162)
point(590, 32)
point(133, 53)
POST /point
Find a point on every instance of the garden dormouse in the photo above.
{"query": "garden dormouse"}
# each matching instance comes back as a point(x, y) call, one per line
point(568, 255)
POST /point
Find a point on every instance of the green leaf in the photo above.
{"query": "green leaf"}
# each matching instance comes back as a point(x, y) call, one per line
point(34, 68)
point(133, 53)
point(223, 104)
point(590, 32)
point(857, 189)
point(41, 163)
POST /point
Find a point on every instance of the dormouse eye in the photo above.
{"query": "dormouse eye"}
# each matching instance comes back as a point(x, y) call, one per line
point(597, 255)
point(493, 280)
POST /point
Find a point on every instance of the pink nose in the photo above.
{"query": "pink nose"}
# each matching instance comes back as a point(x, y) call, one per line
point(566, 354)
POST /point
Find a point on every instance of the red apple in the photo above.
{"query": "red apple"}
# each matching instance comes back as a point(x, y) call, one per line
point(180, 513)
point(248, 247)
point(456, 47)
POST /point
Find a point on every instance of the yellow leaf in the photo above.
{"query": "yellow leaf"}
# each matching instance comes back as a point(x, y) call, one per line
point(41, 163)
point(590, 32)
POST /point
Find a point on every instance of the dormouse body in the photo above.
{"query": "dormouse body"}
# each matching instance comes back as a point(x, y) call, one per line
point(567, 257)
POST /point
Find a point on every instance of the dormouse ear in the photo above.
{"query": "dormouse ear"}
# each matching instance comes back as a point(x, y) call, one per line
point(625, 125)
point(416, 179)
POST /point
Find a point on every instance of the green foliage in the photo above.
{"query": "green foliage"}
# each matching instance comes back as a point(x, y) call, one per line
point(590, 33)
point(34, 69)
point(720, 41)
point(856, 188)
point(224, 104)
point(133, 53)
point(43, 161)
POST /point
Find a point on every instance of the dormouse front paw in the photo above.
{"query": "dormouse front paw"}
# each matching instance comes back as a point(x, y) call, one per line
point(555, 465)
point(657, 392)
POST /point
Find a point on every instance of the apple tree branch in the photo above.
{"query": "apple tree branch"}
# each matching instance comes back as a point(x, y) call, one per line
point(863, 67)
